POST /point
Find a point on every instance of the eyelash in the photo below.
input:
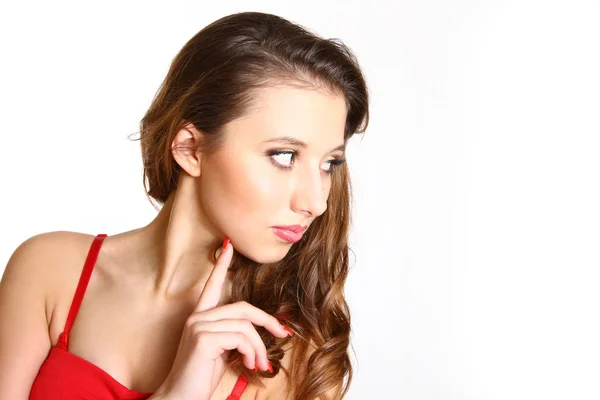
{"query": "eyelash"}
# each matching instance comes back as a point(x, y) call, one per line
point(333, 163)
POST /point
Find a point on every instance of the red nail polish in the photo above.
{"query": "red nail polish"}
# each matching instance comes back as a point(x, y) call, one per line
point(288, 330)
point(270, 367)
point(226, 242)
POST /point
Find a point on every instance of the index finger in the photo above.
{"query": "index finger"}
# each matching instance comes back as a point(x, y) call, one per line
point(214, 285)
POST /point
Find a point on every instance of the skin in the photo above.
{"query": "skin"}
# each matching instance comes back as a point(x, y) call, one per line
point(159, 271)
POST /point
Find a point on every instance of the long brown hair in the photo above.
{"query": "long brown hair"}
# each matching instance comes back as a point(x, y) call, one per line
point(211, 82)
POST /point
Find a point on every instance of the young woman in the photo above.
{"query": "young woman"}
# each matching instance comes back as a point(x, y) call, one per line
point(235, 289)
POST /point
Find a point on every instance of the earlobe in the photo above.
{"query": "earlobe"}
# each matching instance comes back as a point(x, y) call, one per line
point(184, 150)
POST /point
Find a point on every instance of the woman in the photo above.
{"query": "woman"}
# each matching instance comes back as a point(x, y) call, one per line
point(243, 146)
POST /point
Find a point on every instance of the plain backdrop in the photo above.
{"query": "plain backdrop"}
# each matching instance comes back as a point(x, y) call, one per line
point(476, 236)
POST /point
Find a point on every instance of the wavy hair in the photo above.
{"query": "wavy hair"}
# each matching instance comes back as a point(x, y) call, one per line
point(212, 81)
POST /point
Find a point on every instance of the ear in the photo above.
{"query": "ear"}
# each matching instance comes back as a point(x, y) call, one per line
point(183, 149)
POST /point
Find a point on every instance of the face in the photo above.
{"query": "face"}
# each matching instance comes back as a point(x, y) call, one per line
point(258, 181)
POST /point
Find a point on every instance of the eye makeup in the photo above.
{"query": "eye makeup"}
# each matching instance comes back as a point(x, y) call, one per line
point(294, 153)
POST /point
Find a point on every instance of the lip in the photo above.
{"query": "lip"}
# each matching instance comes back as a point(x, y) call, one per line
point(293, 228)
point(288, 234)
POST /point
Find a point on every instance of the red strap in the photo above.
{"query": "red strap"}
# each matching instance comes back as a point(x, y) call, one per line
point(238, 389)
point(63, 340)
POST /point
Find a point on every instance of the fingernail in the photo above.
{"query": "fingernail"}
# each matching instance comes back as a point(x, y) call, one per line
point(226, 242)
point(270, 367)
point(288, 330)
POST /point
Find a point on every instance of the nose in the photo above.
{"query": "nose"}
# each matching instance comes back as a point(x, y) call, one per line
point(310, 192)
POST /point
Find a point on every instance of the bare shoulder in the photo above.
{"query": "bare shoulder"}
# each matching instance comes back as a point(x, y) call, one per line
point(28, 290)
point(47, 261)
point(45, 251)
point(279, 388)
point(40, 251)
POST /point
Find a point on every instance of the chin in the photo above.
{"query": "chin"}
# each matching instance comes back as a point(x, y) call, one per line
point(273, 254)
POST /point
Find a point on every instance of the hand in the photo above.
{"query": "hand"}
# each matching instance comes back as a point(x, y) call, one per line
point(209, 334)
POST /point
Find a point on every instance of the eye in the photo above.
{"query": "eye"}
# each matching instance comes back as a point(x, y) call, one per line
point(283, 158)
point(333, 164)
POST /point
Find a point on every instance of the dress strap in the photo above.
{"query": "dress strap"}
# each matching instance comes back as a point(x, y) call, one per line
point(238, 389)
point(88, 267)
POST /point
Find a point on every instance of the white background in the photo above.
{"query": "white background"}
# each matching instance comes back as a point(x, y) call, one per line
point(477, 225)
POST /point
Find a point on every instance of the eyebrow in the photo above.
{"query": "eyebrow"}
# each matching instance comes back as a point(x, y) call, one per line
point(295, 142)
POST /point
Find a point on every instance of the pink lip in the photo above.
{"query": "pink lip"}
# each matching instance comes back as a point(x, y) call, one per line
point(288, 234)
point(293, 228)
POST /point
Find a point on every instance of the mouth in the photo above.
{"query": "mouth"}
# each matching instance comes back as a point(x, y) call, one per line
point(289, 233)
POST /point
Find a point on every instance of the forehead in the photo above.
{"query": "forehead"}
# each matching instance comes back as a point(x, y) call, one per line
point(315, 117)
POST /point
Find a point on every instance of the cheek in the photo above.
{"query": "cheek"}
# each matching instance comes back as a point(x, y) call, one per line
point(250, 189)
point(256, 195)
point(244, 197)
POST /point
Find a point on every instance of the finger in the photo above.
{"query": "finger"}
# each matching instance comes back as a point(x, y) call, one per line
point(214, 285)
point(223, 341)
point(243, 310)
point(243, 326)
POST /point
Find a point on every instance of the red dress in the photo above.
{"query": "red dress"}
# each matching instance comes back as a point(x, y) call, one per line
point(66, 376)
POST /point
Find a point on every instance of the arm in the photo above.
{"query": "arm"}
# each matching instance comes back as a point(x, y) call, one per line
point(24, 337)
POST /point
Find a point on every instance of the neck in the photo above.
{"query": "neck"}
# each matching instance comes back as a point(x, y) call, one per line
point(177, 246)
